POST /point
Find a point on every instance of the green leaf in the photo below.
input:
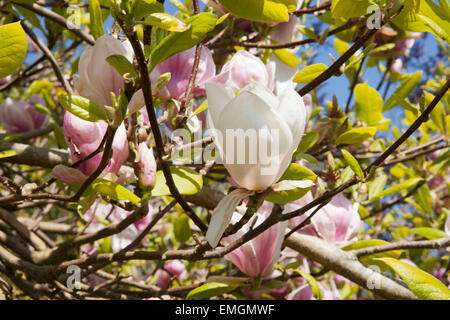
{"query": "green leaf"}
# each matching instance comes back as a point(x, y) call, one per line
point(437, 114)
point(312, 282)
point(403, 90)
point(423, 198)
point(261, 10)
point(422, 284)
point(353, 163)
point(349, 8)
point(175, 42)
point(306, 75)
point(201, 108)
point(425, 16)
point(293, 172)
point(114, 190)
point(377, 186)
point(95, 19)
point(429, 233)
point(406, 185)
point(357, 135)
point(37, 87)
point(287, 57)
point(369, 104)
point(7, 153)
point(13, 48)
point(165, 21)
point(308, 32)
point(143, 8)
point(187, 181)
point(209, 290)
point(121, 64)
point(82, 107)
point(308, 140)
point(372, 258)
point(181, 229)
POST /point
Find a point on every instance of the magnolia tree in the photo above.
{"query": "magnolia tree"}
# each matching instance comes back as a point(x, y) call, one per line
point(160, 149)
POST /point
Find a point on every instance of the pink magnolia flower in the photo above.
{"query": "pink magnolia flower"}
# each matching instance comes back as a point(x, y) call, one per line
point(180, 68)
point(257, 257)
point(83, 137)
point(146, 165)
point(337, 222)
point(243, 69)
point(22, 116)
point(174, 268)
point(287, 31)
point(68, 175)
point(116, 214)
point(97, 77)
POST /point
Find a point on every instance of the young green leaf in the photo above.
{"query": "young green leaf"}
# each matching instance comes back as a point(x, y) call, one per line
point(357, 135)
point(353, 163)
point(312, 282)
point(403, 90)
point(261, 10)
point(187, 181)
point(422, 284)
point(95, 19)
point(165, 21)
point(82, 107)
point(13, 48)
point(114, 190)
point(369, 104)
point(208, 290)
point(181, 229)
point(175, 42)
point(293, 172)
point(306, 75)
point(429, 233)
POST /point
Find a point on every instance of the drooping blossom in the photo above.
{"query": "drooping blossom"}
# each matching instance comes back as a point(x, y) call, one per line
point(174, 268)
point(257, 257)
point(97, 78)
point(277, 122)
point(22, 116)
point(83, 138)
point(337, 222)
point(101, 211)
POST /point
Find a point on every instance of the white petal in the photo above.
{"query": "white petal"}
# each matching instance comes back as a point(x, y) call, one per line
point(292, 184)
point(218, 97)
point(137, 102)
point(222, 214)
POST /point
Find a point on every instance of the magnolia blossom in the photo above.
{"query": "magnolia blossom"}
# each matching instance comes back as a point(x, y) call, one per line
point(98, 79)
point(83, 138)
point(22, 116)
point(146, 165)
point(242, 70)
point(180, 68)
point(257, 257)
point(274, 124)
point(100, 211)
point(174, 268)
point(337, 222)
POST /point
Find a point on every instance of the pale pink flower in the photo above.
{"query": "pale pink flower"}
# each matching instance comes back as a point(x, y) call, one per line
point(22, 116)
point(257, 257)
